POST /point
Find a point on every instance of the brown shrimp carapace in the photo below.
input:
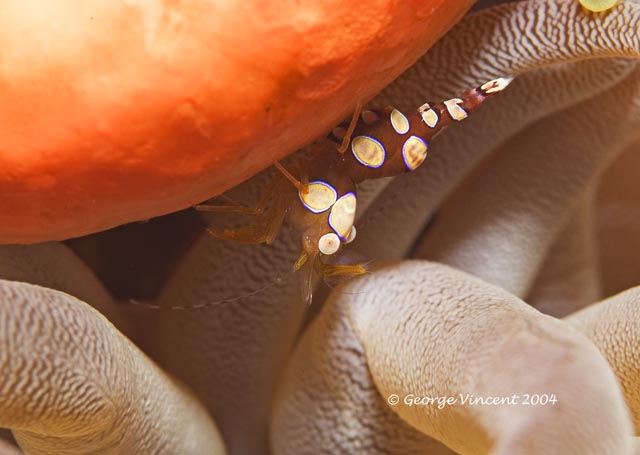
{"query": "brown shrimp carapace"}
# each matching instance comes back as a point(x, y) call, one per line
point(320, 201)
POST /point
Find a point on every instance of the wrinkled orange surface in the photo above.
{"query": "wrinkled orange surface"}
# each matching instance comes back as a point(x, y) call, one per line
point(112, 112)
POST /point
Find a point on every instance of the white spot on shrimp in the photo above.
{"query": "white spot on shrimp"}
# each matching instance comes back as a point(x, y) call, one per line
point(429, 116)
point(455, 110)
point(368, 151)
point(319, 197)
point(329, 243)
point(399, 122)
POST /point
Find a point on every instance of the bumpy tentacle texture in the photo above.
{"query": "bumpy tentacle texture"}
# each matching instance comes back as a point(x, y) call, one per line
point(514, 39)
point(587, 139)
point(520, 190)
point(454, 337)
point(619, 346)
point(71, 383)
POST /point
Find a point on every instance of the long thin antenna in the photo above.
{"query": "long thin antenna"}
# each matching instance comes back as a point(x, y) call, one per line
point(198, 306)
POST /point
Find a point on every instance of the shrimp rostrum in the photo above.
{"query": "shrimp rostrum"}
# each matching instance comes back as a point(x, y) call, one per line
point(318, 195)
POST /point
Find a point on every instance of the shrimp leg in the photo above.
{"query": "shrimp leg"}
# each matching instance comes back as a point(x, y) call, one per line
point(236, 207)
point(266, 227)
point(340, 270)
point(352, 126)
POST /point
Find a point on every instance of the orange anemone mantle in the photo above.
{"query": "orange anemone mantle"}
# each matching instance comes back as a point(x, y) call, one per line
point(112, 112)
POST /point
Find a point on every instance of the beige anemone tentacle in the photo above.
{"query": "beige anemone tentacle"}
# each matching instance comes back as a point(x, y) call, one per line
point(55, 266)
point(418, 329)
point(539, 38)
point(618, 222)
point(501, 223)
point(71, 383)
point(517, 38)
point(614, 327)
point(8, 449)
point(232, 350)
point(569, 278)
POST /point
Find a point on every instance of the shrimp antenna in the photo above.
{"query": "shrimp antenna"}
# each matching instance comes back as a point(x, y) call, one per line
point(199, 306)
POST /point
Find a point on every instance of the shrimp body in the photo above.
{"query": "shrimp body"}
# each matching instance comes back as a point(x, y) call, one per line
point(321, 200)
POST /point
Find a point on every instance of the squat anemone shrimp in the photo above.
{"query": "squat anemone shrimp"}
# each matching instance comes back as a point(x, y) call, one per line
point(319, 196)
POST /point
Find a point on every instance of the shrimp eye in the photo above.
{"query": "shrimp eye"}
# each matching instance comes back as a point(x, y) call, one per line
point(329, 243)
